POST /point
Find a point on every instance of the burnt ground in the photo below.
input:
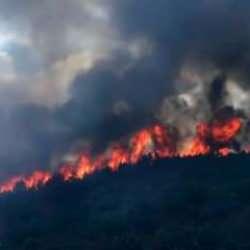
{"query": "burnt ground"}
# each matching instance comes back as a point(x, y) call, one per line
point(176, 204)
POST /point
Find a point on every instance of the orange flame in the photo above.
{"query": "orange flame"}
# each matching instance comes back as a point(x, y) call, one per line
point(164, 147)
point(83, 167)
point(198, 145)
point(154, 141)
point(36, 179)
point(140, 145)
point(224, 131)
point(118, 157)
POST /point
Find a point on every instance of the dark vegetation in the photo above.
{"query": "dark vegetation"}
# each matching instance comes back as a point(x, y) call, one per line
point(173, 204)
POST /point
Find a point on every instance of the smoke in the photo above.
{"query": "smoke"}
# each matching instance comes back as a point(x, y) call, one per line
point(82, 74)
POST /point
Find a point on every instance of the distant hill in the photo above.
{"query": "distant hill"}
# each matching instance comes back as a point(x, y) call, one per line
point(173, 204)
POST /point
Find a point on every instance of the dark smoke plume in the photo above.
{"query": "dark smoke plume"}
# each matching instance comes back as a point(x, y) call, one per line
point(178, 62)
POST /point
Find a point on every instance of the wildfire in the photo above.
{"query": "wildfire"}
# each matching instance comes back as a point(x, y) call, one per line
point(33, 181)
point(224, 131)
point(141, 144)
point(155, 141)
point(36, 179)
point(198, 145)
point(118, 157)
point(10, 185)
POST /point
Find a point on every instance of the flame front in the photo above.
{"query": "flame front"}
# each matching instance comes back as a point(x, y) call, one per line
point(154, 142)
point(36, 179)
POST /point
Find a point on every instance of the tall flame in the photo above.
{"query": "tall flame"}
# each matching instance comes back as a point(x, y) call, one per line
point(154, 141)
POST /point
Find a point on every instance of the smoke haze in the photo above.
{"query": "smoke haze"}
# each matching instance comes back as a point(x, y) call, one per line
point(81, 74)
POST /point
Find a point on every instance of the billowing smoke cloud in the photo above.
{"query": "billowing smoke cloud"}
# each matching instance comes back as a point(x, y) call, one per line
point(83, 73)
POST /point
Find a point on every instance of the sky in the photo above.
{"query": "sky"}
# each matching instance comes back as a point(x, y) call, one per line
point(83, 73)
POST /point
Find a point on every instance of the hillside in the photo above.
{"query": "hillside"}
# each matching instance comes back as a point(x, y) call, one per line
point(174, 204)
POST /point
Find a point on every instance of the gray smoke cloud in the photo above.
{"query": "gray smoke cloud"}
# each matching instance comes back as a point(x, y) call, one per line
point(79, 73)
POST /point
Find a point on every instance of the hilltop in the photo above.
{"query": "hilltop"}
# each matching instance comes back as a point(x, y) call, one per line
point(193, 203)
